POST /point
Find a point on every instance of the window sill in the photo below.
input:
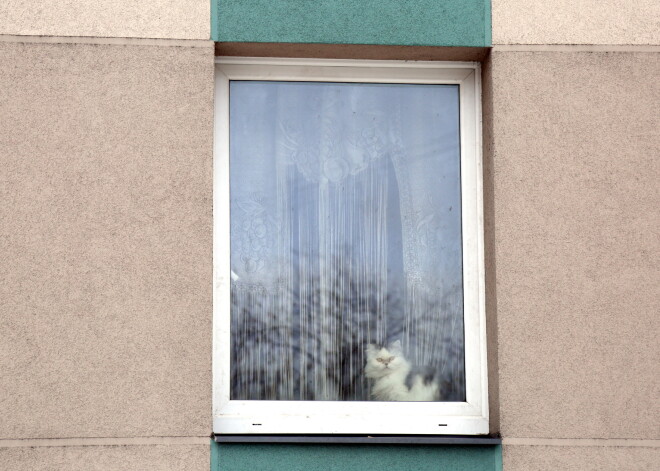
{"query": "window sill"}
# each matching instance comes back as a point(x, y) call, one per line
point(361, 439)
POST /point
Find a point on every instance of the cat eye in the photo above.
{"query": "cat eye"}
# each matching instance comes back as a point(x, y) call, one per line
point(347, 220)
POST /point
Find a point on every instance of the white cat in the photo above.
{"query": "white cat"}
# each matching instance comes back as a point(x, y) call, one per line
point(392, 377)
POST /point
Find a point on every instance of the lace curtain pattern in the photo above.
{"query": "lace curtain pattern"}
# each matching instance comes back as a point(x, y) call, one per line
point(345, 231)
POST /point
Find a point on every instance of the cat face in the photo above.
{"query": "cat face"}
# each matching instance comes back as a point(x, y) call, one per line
point(384, 361)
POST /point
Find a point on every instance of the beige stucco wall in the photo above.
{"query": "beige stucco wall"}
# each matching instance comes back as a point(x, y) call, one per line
point(576, 22)
point(105, 234)
point(580, 458)
point(106, 458)
point(572, 154)
point(178, 19)
point(105, 240)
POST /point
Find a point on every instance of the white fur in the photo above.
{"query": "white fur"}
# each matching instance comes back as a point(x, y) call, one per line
point(388, 369)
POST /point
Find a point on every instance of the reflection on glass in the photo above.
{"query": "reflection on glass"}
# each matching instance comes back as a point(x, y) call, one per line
point(345, 242)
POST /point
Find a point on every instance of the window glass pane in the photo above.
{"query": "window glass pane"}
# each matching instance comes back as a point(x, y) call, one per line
point(346, 250)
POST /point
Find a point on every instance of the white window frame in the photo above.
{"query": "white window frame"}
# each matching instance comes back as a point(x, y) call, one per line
point(352, 417)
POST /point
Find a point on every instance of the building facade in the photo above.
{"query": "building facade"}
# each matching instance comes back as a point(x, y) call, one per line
point(106, 223)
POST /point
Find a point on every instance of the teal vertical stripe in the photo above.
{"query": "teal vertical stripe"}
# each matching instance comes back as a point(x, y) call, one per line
point(215, 464)
point(214, 19)
point(383, 22)
point(488, 23)
point(317, 457)
point(497, 459)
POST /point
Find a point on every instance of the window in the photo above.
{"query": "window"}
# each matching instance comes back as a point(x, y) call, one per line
point(348, 248)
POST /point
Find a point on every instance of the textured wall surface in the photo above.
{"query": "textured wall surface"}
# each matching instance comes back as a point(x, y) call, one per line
point(313, 457)
point(106, 227)
point(179, 19)
point(578, 458)
point(105, 240)
point(106, 458)
point(576, 22)
point(403, 22)
point(576, 216)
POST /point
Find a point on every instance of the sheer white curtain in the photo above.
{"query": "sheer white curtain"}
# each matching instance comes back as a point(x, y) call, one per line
point(345, 231)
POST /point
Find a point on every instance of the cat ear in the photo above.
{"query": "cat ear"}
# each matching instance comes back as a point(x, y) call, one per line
point(396, 345)
point(372, 350)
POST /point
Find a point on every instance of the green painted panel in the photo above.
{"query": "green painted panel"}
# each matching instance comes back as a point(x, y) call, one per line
point(214, 18)
point(316, 457)
point(387, 22)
